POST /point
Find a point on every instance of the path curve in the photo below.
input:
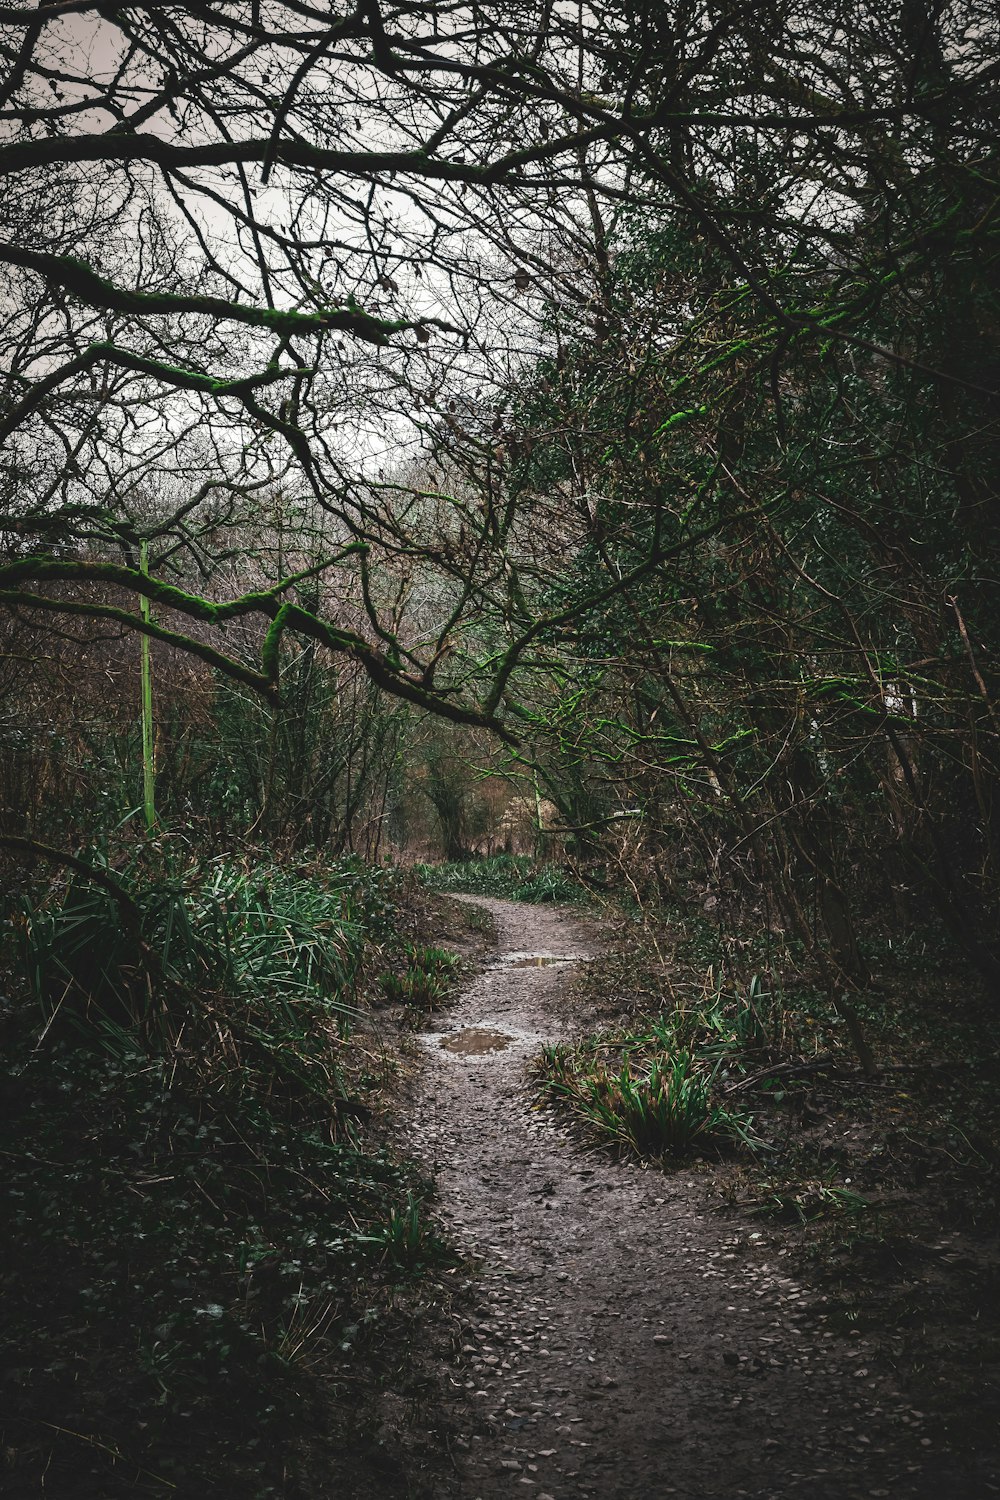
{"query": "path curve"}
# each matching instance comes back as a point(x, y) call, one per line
point(628, 1345)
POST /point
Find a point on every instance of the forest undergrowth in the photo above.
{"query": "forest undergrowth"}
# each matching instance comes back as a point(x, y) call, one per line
point(215, 1274)
point(210, 1259)
point(515, 876)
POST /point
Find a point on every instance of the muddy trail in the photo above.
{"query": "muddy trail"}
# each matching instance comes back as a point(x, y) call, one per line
point(625, 1342)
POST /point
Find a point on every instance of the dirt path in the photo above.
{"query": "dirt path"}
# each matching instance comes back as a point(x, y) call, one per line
point(628, 1344)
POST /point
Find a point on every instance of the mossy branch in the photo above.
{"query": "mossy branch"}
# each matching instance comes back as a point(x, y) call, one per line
point(270, 650)
point(217, 659)
point(84, 283)
point(103, 353)
point(385, 673)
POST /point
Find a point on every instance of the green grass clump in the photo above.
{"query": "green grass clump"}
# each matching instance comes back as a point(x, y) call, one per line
point(725, 1023)
point(664, 1109)
point(656, 1090)
point(427, 980)
point(433, 960)
point(548, 883)
point(414, 987)
point(517, 877)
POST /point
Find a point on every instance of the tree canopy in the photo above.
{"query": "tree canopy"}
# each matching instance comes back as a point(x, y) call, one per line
point(619, 379)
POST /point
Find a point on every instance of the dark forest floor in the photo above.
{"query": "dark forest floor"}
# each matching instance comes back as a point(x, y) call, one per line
point(817, 1318)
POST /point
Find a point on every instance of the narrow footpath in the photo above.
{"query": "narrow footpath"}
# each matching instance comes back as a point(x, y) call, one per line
point(628, 1344)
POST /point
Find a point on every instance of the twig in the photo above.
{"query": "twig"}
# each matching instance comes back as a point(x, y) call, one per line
point(95, 1442)
point(784, 1070)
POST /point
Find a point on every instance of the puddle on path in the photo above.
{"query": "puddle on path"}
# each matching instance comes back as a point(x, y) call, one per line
point(473, 1041)
point(539, 960)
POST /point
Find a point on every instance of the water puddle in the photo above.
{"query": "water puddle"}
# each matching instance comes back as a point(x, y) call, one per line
point(473, 1041)
point(540, 960)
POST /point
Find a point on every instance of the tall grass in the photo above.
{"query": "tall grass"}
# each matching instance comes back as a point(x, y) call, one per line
point(518, 877)
point(257, 966)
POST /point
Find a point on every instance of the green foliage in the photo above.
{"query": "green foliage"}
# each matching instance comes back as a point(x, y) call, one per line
point(414, 987)
point(433, 960)
point(497, 876)
point(261, 964)
point(427, 979)
point(804, 1202)
point(408, 1240)
point(656, 1089)
point(726, 1023)
point(768, 706)
point(548, 883)
point(514, 876)
point(183, 1161)
point(666, 1109)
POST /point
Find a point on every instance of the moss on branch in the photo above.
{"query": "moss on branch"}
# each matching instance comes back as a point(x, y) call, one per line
point(83, 282)
point(383, 670)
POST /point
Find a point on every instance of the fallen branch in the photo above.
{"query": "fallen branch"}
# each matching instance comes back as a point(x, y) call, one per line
point(785, 1070)
point(31, 847)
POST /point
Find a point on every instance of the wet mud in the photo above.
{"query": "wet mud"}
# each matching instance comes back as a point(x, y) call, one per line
point(474, 1041)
